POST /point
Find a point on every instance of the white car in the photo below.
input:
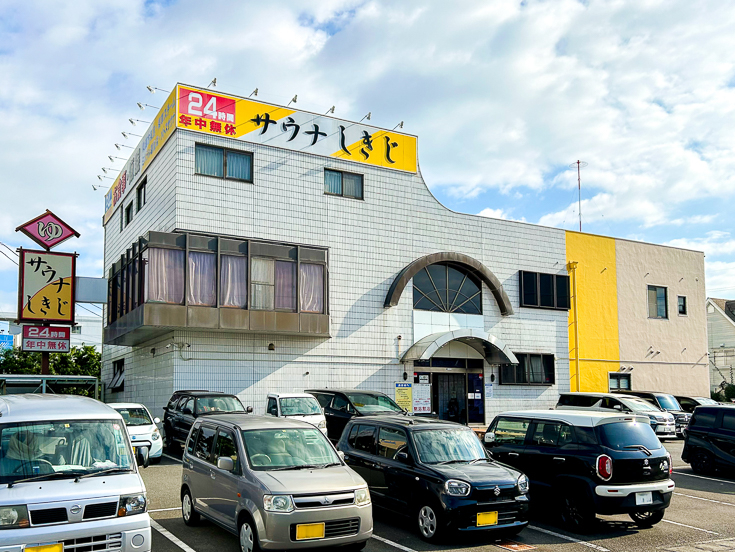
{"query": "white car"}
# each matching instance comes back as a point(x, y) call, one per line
point(299, 406)
point(142, 428)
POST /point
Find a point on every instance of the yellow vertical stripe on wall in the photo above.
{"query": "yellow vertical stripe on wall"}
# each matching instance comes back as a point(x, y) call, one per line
point(597, 310)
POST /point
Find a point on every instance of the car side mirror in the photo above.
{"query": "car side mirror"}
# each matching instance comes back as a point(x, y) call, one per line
point(402, 457)
point(249, 410)
point(489, 437)
point(187, 411)
point(341, 455)
point(141, 456)
point(156, 421)
point(225, 463)
point(617, 407)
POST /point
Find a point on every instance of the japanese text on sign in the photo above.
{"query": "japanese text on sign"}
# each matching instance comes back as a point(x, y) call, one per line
point(46, 339)
point(46, 286)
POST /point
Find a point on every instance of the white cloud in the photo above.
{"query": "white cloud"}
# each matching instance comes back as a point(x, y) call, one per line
point(498, 214)
point(715, 244)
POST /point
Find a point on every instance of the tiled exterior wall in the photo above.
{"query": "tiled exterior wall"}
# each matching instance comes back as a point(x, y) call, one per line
point(369, 242)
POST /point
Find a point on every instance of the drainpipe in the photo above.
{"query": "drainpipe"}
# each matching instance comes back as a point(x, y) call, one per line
point(572, 269)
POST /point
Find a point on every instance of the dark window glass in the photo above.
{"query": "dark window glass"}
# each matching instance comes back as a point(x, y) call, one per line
point(618, 435)
point(657, 307)
point(531, 369)
point(204, 443)
point(209, 161)
point(546, 288)
point(343, 183)
point(585, 435)
point(704, 419)
point(391, 441)
point(619, 381)
point(530, 293)
point(226, 447)
point(192, 440)
point(140, 195)
point(682, 305)
point(353, 435)
point(548, 374)
point(129, 214)
point(511, 431)
point(122, 219)
point(584, 401)
point(323, 399)
point(272, 407)
point(728, 420)
point(551, 434)
point(562, 292)
point(340, 403)
point(444, 288)
point(365, 440)
point(240, 166)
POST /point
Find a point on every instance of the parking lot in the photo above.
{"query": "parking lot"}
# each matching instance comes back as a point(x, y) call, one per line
point(699, 519)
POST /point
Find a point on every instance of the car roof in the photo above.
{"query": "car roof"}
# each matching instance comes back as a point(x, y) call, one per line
point(290, 395)
point(126, 405)
point(201, 393)
point(704, 407)
point(345, 390)
point(601, 394)
point(635, 393)
point(249, 421)
point(409, 422)
point(48, 407)
point(584, 418)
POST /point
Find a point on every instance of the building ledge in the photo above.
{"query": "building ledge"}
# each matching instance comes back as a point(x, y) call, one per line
point(152, 320)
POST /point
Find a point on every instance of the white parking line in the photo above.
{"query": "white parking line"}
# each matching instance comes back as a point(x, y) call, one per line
point(177, 541)
point(690, 527)
point(570, 539)
point(707, 499)
point(393, 544)
point(163, 510)
point(172, 457)
point(705, 477)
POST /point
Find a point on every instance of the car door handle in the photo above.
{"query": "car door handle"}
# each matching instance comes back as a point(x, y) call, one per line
point(212, 474)
point(370, 464)
point(513, 454)
point(559, 459)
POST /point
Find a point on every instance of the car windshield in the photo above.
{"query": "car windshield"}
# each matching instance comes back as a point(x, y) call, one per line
point(135, 416)
point(703, 400)
point(219, 404)
point(300, 406)
point(627, 435)
point(437, 446)
point(278, 449)
point(639, 406)
point(668, 402)
point(67, 448)
point(368, 404)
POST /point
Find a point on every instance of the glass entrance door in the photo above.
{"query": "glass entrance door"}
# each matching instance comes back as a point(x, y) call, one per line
point(475, 399)
point(450, 397)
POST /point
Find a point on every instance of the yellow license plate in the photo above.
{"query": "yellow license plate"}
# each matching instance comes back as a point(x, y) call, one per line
point(307, 531)
point(135, 451)
point(487, 518)
point(59, 547)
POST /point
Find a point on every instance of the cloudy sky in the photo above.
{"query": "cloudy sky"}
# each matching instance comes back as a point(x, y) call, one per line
point(503, 95)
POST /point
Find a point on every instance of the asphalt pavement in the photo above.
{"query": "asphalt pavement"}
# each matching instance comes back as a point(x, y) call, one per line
point(698, 520)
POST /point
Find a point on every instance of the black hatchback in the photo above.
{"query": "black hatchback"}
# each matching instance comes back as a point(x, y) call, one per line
point(587, 463)
point(436, 472)
point(710, 439)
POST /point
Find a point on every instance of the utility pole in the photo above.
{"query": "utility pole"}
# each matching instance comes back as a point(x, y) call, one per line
point(579, 165)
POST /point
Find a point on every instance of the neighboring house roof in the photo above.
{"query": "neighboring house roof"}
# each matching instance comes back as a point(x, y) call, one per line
point(725, 306)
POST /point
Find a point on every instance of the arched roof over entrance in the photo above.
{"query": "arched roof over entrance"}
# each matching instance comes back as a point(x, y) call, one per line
point(474, 266)
point(489, 346)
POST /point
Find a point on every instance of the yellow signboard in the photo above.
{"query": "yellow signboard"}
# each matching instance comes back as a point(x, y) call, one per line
point(404, 395)
point(205, 111)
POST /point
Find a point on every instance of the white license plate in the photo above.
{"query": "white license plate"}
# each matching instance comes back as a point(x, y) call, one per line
point(641, 499)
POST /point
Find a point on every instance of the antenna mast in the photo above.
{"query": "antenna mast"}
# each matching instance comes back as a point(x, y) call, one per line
point(579, 165)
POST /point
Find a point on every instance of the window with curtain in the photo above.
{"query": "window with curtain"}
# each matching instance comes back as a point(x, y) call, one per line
point(311, 287)
point(233, 281)
point(531, 369)
point(239, 166)
point(262, 280)
point(201, 285)
point(209, 160)
point(657, 302)
point(343, 183)
point(164, 282)
point(286, 285)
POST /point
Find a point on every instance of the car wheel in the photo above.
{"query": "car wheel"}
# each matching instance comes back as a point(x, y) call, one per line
point(576, 512)
point(155, 460)
point(647, 519)
point(172, 447)
point(248, 536)
point(429, 523)
point(703, 463)
point(191, 516)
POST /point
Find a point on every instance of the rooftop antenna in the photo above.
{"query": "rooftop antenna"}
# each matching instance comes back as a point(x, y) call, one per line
point(579, 165)
point(330, 110)
point(254, 93)
point(293, 100)
point(370, 113)
point(213, 83)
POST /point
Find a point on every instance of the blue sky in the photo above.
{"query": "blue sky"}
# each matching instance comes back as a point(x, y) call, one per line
point(503, 96)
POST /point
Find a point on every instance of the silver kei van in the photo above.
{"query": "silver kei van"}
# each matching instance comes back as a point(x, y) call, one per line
point(277, 483)
point(68, 479)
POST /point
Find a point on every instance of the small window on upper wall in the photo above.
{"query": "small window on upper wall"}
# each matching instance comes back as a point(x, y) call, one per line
point(222, 163)
point(682, 305)
point(129, 214)
point(619, 381)
point(657, 302)
point(140, 196)
point(532, 369)
point(122, 219)
point(547, 291)
point(343, 184)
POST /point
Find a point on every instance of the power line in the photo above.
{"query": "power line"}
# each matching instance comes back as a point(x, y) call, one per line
point(11, 260)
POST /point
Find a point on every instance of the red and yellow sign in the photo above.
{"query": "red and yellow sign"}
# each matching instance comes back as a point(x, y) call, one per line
point(46, 287)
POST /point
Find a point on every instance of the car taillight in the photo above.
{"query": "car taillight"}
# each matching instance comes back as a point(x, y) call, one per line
point(671, 465)
point(604, 467)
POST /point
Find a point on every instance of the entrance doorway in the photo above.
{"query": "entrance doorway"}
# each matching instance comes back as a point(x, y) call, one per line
point(457, 388)
point(449, 392)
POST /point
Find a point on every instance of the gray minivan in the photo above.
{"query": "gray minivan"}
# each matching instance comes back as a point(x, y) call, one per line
point(277, 483)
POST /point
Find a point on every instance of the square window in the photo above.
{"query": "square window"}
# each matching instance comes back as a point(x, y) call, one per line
point(343, 183)
point(657, 302)
point(209, 161)
point(619, 381)
point(529, 289)
point(239, 166)
point(682, 305)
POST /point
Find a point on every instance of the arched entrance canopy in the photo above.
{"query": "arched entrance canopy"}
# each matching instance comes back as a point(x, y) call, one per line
point(489, 346)
point(478, 269)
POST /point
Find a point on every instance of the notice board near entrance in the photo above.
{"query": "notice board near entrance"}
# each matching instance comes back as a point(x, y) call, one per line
point(404, 395)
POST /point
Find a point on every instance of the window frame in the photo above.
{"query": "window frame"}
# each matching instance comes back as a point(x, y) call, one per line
point(527, 372)
point(237, 468)
point(678, 305)
point(467, 275)
point(362, 186)
point(140, 191)
point(619, 376)
point(666, 302)
point(129, 213)
point(555, 285)
point(224, 163)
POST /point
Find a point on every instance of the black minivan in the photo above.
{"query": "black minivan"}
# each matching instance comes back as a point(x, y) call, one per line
point(710, 439)
point(436, 472)
point(587, 463)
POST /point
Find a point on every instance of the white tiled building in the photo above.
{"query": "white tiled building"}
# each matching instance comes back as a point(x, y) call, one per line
point(362, 245)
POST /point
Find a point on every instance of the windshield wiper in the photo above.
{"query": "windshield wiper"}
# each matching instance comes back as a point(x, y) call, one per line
point(302, 467)
point(639, 447)
point(476, 460)
point(103, 472)
point(50, 475)
point(445, 462)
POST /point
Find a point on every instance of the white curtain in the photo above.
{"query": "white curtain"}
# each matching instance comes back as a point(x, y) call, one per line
point(311, 287)
point(233, 281)
point(285, 285)
point(262, 279)
point(202, 273)
point(536, 375)
point(165, 276)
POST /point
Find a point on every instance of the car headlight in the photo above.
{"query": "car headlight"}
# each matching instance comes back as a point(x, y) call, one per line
point(156, 435)
point(322, 424)
point(278, 503)
point(652, 417)
point(132, 504)
point(14, 517)
point(522, 484)
point(455, 487)
point(362, 496)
